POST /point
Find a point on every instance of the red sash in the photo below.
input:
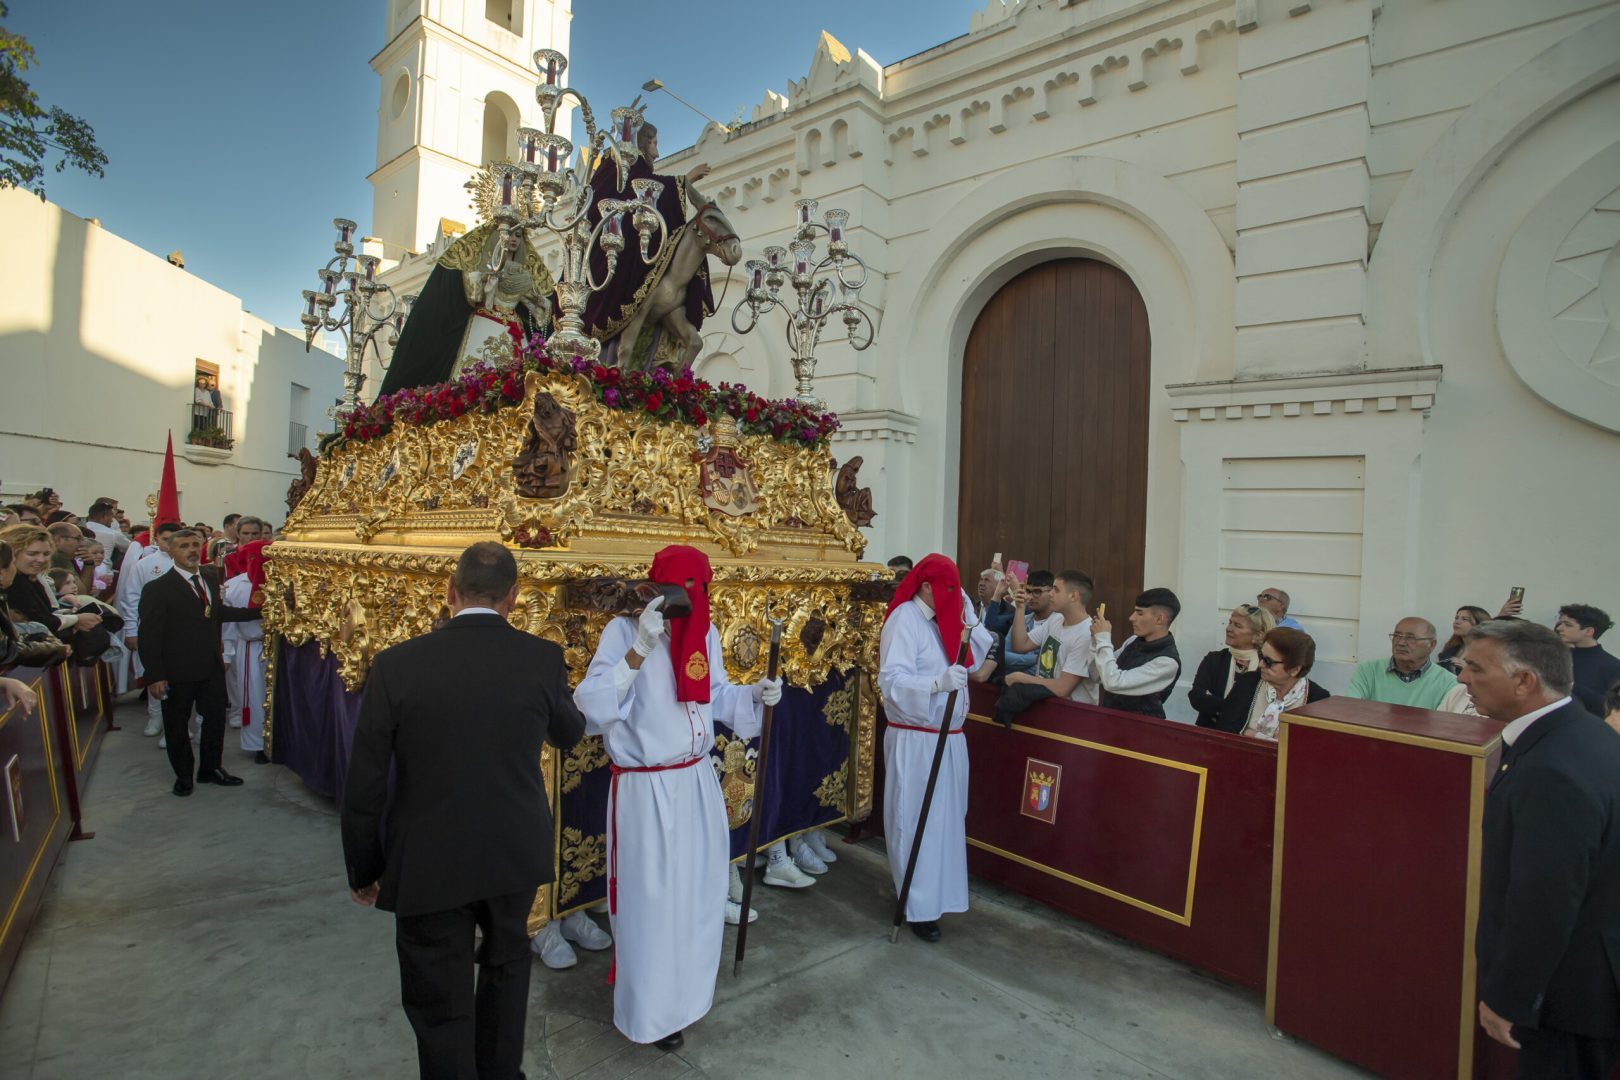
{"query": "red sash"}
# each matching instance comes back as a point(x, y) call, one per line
point(913, 727)
point(613, 817)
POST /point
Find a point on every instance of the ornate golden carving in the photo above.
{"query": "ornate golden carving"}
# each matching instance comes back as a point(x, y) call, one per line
point(863, 746)
point(635, 483)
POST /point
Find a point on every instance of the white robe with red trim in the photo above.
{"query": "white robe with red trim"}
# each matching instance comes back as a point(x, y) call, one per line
point(671, 844)
point(244, 666)
point(911, 657)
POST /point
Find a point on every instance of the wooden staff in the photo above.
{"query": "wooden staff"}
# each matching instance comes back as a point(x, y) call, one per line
point(928, 795)
point(759, 803)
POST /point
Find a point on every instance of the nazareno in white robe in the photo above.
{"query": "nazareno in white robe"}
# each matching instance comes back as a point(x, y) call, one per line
point(911, 657)
point(672, 845)
point(244, 666)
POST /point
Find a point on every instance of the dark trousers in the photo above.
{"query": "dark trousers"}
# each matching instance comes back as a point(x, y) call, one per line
point(462, 1034)
point(208, 697)
point(1559, 1055)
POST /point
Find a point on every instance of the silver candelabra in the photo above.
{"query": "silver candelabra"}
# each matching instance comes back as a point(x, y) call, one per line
point(368, 308)
point(543, 192)
point(825, 288)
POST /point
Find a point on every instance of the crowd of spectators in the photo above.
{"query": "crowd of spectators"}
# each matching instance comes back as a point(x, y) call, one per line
point(70, 586)
point(1049, 644)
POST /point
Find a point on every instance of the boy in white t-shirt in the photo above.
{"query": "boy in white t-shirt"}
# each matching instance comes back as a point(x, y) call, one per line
point(1063, 638)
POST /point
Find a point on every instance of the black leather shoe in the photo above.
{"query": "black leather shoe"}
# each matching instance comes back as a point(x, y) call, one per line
point(928, 931)
point(182, 788)
point(261, 758)
point(671, 1042)
point(220, 777)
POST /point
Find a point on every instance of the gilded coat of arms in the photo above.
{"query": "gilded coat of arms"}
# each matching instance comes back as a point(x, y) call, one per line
point(735, 767)
point(726, 480)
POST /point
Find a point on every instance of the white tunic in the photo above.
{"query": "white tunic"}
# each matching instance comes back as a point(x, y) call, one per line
point(911, 657)
point(136, 573)
point(672, 844)
point(244, 666)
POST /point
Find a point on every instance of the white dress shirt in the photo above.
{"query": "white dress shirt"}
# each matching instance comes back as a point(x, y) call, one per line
point(1511, 733)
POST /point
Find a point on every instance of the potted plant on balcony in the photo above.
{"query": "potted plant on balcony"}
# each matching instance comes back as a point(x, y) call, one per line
point(210, 436)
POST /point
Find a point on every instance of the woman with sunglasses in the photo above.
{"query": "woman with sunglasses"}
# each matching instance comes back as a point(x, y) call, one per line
point(1258, 698)
point(1248, 624)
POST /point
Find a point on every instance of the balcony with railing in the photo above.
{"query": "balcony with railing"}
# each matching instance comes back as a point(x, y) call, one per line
point(209, 439)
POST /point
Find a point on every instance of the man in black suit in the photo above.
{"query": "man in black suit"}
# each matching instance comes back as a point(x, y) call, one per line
point(1548, 942)
point(461, 713)
point(181, 616)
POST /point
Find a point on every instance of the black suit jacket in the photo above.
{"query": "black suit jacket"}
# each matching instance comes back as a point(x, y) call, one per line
point(178, 643)
point(1548, 943)
point(461, 713)
point(1234, 712)
point(1209, 685)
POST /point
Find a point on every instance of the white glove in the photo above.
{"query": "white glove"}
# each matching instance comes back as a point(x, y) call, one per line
point(768, 691)
point(952, 678)
point(649, 628)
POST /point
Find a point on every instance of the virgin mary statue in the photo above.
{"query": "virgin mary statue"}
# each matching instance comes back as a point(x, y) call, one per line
point(487, 287)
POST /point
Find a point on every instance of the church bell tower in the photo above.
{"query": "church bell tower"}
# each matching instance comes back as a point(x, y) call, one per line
point(457, 82)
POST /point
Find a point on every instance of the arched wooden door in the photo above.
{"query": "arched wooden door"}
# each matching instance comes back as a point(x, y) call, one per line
point(1054, 428)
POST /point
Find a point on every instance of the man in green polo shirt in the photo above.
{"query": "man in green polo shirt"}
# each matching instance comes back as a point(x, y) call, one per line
point(1409, 676)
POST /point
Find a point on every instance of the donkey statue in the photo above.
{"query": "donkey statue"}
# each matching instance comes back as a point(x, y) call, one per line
point(709, 233)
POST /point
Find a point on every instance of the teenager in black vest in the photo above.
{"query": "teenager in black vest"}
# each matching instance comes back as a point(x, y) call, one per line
point(1140, 676)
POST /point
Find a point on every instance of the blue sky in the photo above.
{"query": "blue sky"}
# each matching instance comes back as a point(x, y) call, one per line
point(236, 131)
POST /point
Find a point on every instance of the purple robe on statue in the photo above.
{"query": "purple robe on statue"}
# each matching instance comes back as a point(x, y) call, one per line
point(610, 310)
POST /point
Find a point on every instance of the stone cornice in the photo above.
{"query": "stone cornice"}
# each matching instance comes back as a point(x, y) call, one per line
point(1386, 389)
point(882, 425)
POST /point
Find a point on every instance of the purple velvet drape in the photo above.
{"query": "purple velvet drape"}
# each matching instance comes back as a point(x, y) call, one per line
point(314, 718)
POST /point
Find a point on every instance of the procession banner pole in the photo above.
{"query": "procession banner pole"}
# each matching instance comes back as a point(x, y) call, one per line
point(928, 796)
point(759, 803)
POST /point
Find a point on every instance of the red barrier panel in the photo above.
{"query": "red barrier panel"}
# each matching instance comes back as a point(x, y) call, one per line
point(33, 815)
point(1153, 830)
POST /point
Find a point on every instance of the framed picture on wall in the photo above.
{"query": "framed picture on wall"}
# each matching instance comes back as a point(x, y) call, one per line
point(14, 795)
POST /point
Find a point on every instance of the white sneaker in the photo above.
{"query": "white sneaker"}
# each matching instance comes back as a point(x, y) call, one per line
point(805, 857)
point(734, 913)
point(554, 952)
point(817, 839)
point(781, 872)
point(579, 929)
point(734, 890)
point(154, 725)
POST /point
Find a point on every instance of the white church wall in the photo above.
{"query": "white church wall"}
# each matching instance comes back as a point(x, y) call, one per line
point(99, 343)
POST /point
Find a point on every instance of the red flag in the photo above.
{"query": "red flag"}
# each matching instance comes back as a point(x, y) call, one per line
point(168, 500)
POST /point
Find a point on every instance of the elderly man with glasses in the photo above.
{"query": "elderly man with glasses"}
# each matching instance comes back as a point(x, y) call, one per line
point(1276, 601)
point(1410, 676)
